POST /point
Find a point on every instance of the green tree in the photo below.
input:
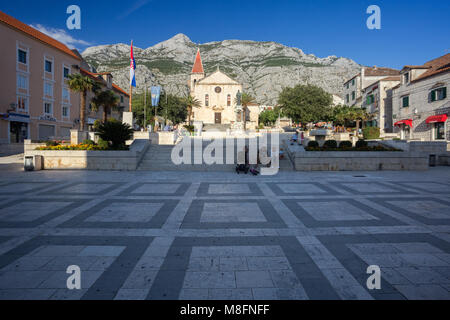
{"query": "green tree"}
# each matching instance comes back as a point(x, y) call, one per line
point(190, 102)
point(173, 108)
point(107, 100)
point(306, 103)
point(268, 117)
point(139, 107)
point(81, 84)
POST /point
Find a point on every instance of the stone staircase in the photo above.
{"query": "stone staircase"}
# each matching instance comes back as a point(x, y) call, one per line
point(158, 158)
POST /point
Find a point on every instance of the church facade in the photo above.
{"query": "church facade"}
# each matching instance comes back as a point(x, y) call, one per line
point(217, 94)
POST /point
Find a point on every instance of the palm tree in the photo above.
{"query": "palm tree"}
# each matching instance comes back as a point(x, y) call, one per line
point(191, 103)
point(81, 84)
point(246, 99)
point(108, 100)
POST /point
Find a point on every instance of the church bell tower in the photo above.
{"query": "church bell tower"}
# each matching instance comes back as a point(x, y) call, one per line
point(198, 72)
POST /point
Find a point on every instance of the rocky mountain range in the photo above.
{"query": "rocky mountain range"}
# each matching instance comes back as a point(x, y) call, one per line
point(264, 68)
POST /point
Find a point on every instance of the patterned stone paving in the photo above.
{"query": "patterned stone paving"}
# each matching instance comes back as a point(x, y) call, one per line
point(188, 235)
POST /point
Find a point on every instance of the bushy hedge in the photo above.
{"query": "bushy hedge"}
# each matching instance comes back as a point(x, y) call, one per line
point(330, 144)
point(345, 144)
point(370, 133)
point(116, 133)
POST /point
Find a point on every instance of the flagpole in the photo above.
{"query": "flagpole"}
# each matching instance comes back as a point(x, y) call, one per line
point(131, 88)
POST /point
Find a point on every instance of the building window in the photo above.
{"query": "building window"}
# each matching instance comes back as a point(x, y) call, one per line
point(48, 66)
point(370, 99)
point(348, 85)
point(347, 97)
point(65, 111)
point(438, 94)
point(406, 77)
point(22, 104)
point(353, 82)
point(48, 108)
point(229, 100)
point(48, 89)
point(405, 102)
point(121, 99)
point(65, 94)
point(66, 73)
point(353, 95)
point(22, 82)
point(207, 100)
point(22, 56)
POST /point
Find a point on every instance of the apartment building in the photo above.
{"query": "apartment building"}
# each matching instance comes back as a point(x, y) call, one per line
point(353, 87)
point(420, 102)
point(377, 100)
point(35, 101)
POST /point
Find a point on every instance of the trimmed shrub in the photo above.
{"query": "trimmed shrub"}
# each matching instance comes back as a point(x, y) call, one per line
point(345, 144)
point(102, 144)
point(361, 144)
point(51, 143)
point(370, 133)
point(313, 144)
point(329, 144)
point(116, 133)
point(88, 142)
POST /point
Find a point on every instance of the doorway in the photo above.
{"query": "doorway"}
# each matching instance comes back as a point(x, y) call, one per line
point(439, 133)
point(218, 118)
point(18, 132)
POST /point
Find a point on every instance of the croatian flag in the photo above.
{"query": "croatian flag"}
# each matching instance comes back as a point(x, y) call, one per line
point(132, 68)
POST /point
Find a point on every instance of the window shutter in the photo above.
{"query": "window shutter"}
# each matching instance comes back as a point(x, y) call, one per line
point(433, 95)
point(444, 93)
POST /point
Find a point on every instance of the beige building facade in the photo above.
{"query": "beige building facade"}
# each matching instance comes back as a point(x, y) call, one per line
point(353, 87)
point(217, 95)
point(421, 105)
point(377, 101)
point(35, 101)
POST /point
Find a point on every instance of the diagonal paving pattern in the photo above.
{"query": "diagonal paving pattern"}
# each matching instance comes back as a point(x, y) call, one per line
point(216, 235)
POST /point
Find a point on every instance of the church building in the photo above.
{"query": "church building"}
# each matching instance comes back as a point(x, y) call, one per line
point(217, 94)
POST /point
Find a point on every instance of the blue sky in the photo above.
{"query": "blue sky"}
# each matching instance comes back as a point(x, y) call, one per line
point(412, 32)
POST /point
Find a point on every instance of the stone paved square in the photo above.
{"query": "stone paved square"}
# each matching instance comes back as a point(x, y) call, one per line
point(232, 212)
point(217, 235)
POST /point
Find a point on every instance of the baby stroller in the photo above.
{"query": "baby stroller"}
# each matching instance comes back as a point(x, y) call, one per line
point(242, 165)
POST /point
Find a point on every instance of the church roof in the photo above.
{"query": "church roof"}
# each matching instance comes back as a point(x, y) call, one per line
point(198, 65)
point(217, 78)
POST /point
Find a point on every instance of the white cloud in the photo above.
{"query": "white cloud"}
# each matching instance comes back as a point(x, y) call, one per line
point(61, 35)
point(135, 6)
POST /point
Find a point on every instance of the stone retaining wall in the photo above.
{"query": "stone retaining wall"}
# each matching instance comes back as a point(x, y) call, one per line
point(94, 160)
point(355, 160)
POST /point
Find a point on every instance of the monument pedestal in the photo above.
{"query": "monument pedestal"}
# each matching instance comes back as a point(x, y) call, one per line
point(77, 137)
point(128, 119)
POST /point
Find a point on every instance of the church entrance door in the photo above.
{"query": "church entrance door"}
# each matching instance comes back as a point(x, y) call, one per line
point(218, 118)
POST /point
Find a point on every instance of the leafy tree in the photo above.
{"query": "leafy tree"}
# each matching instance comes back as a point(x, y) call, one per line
point(108, 100)
point(343, 115)
point(116, 133)
point(81, 84)
point(173, 108)
point(268, 117)
point(306, 103)
point(139, 107)
point(190, 102)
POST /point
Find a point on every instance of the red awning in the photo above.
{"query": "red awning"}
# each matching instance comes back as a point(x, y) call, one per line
point(407, 122)
point(438, 118)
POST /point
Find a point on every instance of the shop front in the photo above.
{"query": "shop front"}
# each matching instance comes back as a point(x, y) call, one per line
point(437, 123)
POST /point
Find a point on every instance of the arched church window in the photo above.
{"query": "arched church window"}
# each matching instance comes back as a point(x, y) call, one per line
point(207, 100)
point(229, 100)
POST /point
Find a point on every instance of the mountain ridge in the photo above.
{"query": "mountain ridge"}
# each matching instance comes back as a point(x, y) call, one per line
point(263, 67)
